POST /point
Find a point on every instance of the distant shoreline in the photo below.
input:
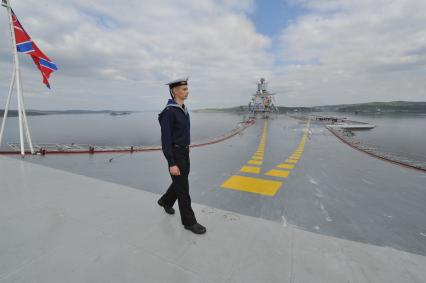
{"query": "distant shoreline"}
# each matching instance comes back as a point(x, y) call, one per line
point(393, 107)
point(407, 107)
point(14, 113)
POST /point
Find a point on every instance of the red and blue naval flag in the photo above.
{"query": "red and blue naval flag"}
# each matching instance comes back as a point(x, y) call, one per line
point(26, 45)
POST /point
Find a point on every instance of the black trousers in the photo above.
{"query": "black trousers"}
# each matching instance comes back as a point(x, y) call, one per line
point(179, 188)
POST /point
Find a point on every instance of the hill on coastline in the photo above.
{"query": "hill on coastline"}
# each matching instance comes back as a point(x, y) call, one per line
point(14, 113)
point(370, 107)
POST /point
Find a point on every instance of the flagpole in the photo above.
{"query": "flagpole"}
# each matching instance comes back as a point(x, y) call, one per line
point(6, 108)
point(25, 123)
point(18, 78)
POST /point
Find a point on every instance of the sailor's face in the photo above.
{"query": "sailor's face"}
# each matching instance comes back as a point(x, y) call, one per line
point(181, 92)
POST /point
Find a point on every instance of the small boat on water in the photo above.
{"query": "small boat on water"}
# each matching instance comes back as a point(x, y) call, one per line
point(119, 113)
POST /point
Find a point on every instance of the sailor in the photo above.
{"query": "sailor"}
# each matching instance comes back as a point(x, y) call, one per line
point(175, 140)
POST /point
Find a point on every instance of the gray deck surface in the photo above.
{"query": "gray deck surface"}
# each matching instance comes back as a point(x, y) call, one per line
point(341, 216)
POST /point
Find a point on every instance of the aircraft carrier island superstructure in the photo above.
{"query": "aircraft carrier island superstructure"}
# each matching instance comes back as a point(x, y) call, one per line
point(262, 102)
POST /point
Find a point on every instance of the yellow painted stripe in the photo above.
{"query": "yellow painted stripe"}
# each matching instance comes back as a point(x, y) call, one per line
point(285, 166)
point(278, 173)
point(255, 162)
point(250, 169)
point(256, 158)
point(252, 185)
point(291, 161)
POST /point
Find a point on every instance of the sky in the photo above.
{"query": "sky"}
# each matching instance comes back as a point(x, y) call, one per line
point(120, 54)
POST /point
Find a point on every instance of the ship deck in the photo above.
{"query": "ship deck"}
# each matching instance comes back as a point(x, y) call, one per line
point(281, 202)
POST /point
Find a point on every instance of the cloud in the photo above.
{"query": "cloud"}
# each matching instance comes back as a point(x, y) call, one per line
point(116, 56)
point(112, 55)
point(353, 51)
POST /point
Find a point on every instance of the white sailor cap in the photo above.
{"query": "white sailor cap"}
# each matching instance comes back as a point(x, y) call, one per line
point(178, 82)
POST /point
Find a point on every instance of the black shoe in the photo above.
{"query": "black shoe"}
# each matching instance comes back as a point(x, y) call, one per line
point(169, 210)
point(196, 228)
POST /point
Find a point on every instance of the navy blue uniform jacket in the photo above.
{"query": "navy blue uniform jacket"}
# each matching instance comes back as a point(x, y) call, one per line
point(175, 129)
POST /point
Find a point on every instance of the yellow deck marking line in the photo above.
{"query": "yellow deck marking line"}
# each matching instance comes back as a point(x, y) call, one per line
point(285, 166)
point(250, 169)
point(278, 173)
point(252, 185)
point(292, 159)
point(265, 186)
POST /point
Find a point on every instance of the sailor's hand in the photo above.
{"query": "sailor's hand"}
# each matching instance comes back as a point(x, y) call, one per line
point(174, 170)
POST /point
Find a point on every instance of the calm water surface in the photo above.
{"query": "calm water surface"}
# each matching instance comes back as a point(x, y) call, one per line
point(401, 135)
point(104, 129)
